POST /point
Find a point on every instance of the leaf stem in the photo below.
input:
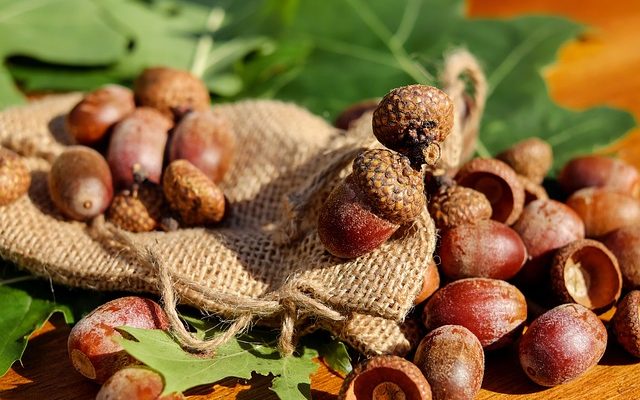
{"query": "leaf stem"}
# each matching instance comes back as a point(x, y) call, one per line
point(482, 150)
point(205, 42)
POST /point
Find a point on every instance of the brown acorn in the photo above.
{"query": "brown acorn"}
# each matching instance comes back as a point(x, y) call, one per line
point(15, 178)
point(207, 140)
point(361, 213)
point(171, 91)
point(413, 120)
point(457, 205)
point(98, 111)
point(139, 209)
point(197, 199)
point(531, 158)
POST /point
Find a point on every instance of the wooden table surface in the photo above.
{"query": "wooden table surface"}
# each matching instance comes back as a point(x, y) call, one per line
point(599, 68)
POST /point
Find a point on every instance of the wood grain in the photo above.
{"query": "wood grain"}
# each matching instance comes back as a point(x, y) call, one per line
point(599, 68)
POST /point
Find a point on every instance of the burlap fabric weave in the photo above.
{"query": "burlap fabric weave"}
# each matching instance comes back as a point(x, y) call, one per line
point(266, 254)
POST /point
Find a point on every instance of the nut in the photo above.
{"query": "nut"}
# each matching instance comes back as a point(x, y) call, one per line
point(531, 158)
point(452, 360)
point(362, 212)
point(195, 197)
point(589, 171)
point(624, 243)
point(456, 205)
point(92, 348)
point(15, 178)
point(626, 323)
point(90, 119)
point(430, 282)
point(603, 211)
point(385, 377)
point(206, 139)
point(135, 383)
point(354, 112)
point(493, 310)
point(585, 272)
point(139, 209)
point(80, 183)
point(171, 91)
point(485, 249)
point(545, 226)
point(498, 182)
point(137, 146)
point(562, 344)
point(413, 120)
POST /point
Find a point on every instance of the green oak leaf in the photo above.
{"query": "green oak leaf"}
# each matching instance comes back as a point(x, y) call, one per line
point(71, 32)
point(21, 315)
point(237, 358)
point(369, 47)
point(332, 351)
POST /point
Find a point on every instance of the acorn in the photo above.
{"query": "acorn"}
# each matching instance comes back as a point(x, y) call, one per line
point(531, 158)
point(457, 205)
point(15, 178)
point(98, 111)
point(413, 120)
point(197, 199)
point(383, 193)
point(173, 92)
point(207, 140)
point(80, 183)
point(139, 209)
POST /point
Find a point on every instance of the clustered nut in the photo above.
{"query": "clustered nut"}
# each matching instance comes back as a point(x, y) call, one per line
point(90, 119)
point(599, 171)
point(197, 199)
point(452, 360)
point(167, 119)
point(80, 183)
point(361, 213)
point(15, 177)
point(624, 243)
point(92, 348)
point(455, 205)
point(430, 282)
point(603, 210)
point(626, 323)
point(171, 91)
point(562, 344)
point(531, 158)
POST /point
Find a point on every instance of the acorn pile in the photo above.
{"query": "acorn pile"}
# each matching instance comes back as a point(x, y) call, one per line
point(150, 158)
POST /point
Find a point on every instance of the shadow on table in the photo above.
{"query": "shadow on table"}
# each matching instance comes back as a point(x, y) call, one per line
point(47, 373)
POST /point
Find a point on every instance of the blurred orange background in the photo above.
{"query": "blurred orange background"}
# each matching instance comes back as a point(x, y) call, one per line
point(601, 67)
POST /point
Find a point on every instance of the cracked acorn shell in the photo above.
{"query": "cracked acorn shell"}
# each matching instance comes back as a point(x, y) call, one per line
point(196, 198)
point(15, 178)
point(173, 92)
point(385, 377)
point(412, 120)
point(587, 273)
point(364, 210)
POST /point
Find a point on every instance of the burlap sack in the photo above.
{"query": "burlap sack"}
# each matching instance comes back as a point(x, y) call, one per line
point(265, 264)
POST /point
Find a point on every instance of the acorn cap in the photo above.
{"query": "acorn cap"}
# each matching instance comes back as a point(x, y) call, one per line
point(393, 189)
point(173, 92)
point(15, 178)
point(626, 323)
point(458, 205)
point(412, 120)
point(139, 210)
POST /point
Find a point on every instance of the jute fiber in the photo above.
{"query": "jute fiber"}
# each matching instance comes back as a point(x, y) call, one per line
point(265, 264)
